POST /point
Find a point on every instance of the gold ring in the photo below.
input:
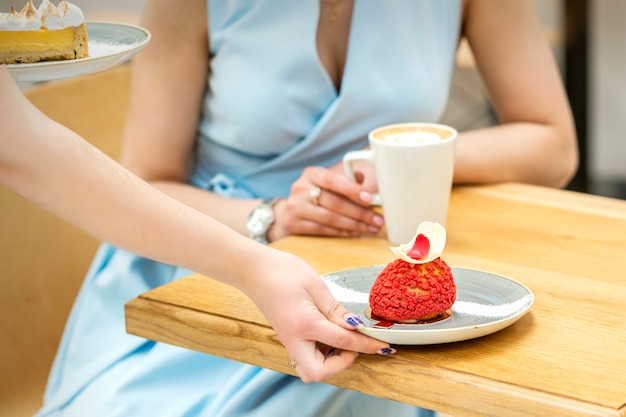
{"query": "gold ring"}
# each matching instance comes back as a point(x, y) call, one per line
point(314, 194)
point(292, 363)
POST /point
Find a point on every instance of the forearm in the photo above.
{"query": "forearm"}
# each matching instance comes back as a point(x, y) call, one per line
point(87, 189)
point(54, 168)
point(232, 212)
point(521, 152)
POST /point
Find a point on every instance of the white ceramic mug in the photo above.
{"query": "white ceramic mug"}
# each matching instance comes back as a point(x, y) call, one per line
point(414, 164)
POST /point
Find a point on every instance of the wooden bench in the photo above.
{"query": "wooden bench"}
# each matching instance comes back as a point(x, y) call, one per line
point(43, 260)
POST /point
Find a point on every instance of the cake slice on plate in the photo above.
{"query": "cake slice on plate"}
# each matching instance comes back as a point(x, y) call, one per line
point(47, 33)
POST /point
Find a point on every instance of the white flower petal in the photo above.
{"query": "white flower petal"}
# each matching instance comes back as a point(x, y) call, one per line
point(436, 235)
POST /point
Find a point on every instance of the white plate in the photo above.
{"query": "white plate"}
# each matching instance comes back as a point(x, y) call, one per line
point(110, 44)
point(485, 304)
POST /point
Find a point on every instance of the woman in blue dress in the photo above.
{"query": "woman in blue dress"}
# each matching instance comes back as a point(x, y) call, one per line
point(264, 107)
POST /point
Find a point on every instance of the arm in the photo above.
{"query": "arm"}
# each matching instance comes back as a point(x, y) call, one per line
point(535, 141)
point(40, 159)
point(168, 82)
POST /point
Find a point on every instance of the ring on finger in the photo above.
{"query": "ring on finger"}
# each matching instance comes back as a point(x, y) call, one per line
point(314, 194)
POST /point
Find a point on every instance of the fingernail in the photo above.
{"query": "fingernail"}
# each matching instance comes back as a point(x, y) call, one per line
point(386, 351)
point(378, 220)
point(373, 229)
point(365, 196)
point(354, 321)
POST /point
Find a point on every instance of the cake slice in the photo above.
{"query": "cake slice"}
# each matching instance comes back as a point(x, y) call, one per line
point(49, 33)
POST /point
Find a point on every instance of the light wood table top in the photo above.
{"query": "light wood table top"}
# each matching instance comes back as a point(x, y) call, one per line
point(566, 357)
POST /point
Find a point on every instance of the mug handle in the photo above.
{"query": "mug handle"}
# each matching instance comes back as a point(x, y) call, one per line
point(366, 155)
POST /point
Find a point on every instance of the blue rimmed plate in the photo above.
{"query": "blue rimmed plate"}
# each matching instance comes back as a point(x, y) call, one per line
point(485, 304)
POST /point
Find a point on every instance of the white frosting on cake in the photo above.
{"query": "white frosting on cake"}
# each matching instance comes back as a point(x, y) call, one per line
point(72, 15)
point(51, 17)
point(47, 16)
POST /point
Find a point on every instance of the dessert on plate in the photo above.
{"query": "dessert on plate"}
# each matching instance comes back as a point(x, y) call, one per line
point(47, 33)
point(418, 286)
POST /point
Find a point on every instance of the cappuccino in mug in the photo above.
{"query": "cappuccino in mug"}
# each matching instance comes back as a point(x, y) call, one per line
point(411, 134)
point(414, 164)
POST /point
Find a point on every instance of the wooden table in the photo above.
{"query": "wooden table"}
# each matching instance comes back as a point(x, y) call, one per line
point(566, 357)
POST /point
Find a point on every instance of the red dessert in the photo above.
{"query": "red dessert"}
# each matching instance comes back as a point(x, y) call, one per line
point(418, 286)
point(406, 292)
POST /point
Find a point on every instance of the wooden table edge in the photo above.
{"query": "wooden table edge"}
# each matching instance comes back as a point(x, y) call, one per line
point(220, 332)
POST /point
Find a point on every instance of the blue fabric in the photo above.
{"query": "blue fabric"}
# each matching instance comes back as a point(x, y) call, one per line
point(270, 110)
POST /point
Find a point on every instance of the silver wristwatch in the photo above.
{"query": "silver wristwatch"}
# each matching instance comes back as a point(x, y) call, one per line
point(260, 220)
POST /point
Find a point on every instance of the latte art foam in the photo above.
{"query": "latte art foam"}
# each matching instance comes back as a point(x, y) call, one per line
point(412, 135)
point(413, 138)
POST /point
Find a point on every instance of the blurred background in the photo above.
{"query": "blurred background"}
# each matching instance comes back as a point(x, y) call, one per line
point(587, 39)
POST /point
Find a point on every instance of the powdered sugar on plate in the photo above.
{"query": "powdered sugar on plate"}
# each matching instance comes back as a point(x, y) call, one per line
point(99, 48)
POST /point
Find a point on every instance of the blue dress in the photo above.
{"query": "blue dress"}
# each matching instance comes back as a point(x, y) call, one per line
point(270, 110)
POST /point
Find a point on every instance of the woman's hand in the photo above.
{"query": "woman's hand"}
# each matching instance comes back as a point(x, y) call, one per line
point(318, 332)
point(325, 202)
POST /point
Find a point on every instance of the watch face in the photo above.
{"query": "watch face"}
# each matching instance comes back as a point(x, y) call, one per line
point(260, 220)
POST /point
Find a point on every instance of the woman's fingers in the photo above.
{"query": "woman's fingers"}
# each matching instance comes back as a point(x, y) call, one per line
point(323, 202)
point(318, 332)
point(315, 363)
point(338, 319)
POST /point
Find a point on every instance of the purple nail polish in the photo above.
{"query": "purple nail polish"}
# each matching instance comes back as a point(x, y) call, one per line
point(354, 321)
point(387, 351)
